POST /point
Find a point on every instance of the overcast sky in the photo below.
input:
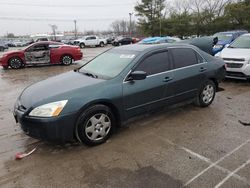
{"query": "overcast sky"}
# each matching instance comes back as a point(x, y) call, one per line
point(32, 17)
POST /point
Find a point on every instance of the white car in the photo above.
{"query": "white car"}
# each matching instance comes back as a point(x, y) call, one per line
point(237, 58)
point(90, 41)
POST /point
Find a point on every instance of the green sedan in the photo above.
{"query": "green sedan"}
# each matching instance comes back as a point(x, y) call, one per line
point(89, 103)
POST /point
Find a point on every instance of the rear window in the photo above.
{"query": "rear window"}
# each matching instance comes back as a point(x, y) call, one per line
point(184, 57)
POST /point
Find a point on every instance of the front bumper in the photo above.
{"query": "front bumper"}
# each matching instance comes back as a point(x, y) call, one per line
point(57, 129)
point(243, 72)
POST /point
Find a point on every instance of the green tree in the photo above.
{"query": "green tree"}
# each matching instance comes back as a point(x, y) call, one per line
point(150, 16)
point(238, 15)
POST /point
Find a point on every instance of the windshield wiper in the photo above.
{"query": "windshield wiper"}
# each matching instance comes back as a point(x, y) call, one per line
point(89, 74)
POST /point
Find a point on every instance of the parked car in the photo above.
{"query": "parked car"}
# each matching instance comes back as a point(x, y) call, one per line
point(110, 40)
point(237, 58)
point(122, 41)
point(41, 53)
point(205, 43)
point(225, 38)
point(91, 101)
point(41, 39)
point(3, 46)
point(159, 40)
point(90, 41)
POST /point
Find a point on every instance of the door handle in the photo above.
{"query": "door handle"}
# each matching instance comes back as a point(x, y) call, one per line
point(167, 79)
point(202, 69)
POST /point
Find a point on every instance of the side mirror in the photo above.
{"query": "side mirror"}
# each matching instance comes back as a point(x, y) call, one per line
point(137, 75)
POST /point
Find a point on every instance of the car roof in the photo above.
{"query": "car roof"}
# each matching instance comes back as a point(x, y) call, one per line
point(48, 42)
point(235, 31)
point(247, 34)
point(149, 47)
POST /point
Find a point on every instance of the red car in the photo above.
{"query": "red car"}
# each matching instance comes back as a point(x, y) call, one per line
point(41, 53)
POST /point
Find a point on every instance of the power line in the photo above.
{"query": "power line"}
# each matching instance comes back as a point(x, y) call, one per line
point(67, 6)
point(55, 19)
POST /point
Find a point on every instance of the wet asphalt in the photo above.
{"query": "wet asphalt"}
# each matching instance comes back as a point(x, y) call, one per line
point(184, 146)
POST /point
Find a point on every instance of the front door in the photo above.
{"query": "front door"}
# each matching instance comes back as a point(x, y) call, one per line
point(38, 54)
point(141, 96)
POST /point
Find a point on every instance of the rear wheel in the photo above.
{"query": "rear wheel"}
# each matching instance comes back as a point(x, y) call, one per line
point(82, 45)
point(206, 94)
point(95, 125)
point(15, 63)
point(67, 60)
point(101, 44)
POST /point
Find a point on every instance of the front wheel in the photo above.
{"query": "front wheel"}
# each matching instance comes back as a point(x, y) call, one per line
point(15, 63)
point(95, 125)
point(206, 94)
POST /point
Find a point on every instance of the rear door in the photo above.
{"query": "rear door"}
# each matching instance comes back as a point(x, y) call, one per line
point(140, 96)
point(189, 72)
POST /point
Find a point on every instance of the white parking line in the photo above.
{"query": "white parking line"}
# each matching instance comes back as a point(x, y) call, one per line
point(214, 164)
point(232, 173)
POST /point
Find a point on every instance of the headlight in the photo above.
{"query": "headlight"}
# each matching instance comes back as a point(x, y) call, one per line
point(218, 55)
point(218, 46)
point(49, 110)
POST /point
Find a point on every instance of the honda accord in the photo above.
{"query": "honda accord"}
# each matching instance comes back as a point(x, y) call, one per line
point(90, 102)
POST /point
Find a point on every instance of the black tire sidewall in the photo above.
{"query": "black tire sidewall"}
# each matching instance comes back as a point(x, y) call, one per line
point(82, 45)
point(85, 116)
point(200, 101)
point(101, 44)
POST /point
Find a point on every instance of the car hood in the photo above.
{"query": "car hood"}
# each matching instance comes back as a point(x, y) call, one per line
point(237, 53)
point(13, 52)
point(55, 86)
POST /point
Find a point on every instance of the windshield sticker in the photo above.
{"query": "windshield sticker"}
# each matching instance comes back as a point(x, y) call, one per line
point(127, 56)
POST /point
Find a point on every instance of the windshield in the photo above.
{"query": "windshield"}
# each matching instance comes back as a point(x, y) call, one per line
point(241, 42)
point(109, 64)
point(224, 36)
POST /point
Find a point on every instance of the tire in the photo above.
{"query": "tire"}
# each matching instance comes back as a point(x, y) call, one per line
point(206, 94)
point(101, 44)
point(95, 125)
point(15, 63)
point(66, 60)
point(82, 45)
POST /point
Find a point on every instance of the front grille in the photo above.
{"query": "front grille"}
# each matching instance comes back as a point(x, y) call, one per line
point(235, 65)
point(234, 59)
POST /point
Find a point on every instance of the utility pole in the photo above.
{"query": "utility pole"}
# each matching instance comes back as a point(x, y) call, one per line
point(130, 23)
point(160, 26)
point(75, 29)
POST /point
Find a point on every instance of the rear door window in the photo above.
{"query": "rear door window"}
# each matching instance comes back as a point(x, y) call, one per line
point(184, 57)
point(155, 63)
